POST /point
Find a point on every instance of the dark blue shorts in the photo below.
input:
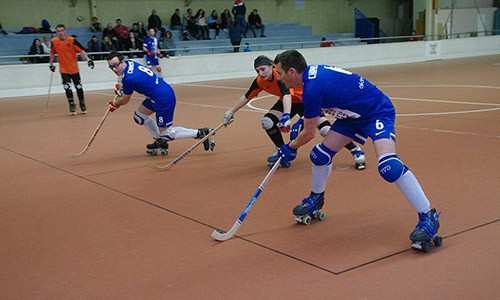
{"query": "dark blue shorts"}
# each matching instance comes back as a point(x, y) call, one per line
point(151, 61)
point(382, 127)
point(164, 109)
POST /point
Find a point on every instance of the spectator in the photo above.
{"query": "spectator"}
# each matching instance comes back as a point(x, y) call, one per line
point(235, 33)
point(121, 32)
point(255, 22)
point(46, 45)
point(142, 31)
point(95, 25)
point(225, 19)
point(214, 22)
point(175, 20)
point(93, 45)
point(133, 44)
point(45, 27)
point(326, 43)
point(107, 44)
point(139, 33)
point(154, 21)
point(110, 33)
point(189, 24)
point(239, 11)
point(37, 49)
point(201, 25)
point(2, 31)
point(167, 42)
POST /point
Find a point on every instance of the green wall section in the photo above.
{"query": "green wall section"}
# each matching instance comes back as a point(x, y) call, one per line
point(325, 16)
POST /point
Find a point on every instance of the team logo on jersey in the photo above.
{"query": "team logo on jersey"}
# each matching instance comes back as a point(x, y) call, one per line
point(130, 69)
point(313, 71)
point(339, 113)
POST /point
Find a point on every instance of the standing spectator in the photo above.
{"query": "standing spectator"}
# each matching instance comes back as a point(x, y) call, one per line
point(239, 9)
point(201, 25)
point(121, 32)
point(37, 49)
point(225, 19)
point(325, 43)
point(175, 20)
point(66, 47)
point(167, 42)
point(45, 27)
point(235, 33)
point(214, 22)
point(93, 45)
point(154, 21)
point(255, 22)
point(95, 25)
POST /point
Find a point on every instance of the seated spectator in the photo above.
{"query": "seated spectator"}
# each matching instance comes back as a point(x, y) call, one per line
point(189, 23)
point(37, 49)
point(201, 24)
point(95, 25)
point(109, 32)
point(175, 20)
point(46, 45)
point(93, 45)
point(167, 42)
point(214, 22)
point(255, 22)
point(45, 27)
point(108, 45)
point(121, 32)
point(2, 31)
point(154, 21)
point(225, 19)
point(325, 43)
point(134, 45)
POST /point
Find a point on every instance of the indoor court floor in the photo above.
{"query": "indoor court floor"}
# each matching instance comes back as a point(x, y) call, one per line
point(110, 225)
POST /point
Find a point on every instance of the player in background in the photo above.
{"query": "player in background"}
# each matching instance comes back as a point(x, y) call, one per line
point(278, 118)
point(152, 50)
point(160, 100)
point(362, 112)
point(67, 48)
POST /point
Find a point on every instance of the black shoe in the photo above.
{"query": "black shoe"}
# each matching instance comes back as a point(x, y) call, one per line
point(72, 109)
point(208, 144)
point(83, 107)
point(159, 146)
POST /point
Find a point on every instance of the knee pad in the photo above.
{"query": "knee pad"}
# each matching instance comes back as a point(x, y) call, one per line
point(66, 86)
point(140, 118)
point(268, 121)
point(391, 168)
point(79, 86)
point(321, 156)
point(324, 127)
point(168, 134)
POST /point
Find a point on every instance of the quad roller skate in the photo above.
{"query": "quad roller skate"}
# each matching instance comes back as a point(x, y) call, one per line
point(72, 108)
point(274, 157)
point(310, 209)
point(359, 158)
point(159, 147)
point(425, 237)
point(83, 108)
point(209, 144)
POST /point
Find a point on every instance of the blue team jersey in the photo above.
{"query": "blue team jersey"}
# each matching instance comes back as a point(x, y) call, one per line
point(343, 94)
point(151, 43)
point(139, 78)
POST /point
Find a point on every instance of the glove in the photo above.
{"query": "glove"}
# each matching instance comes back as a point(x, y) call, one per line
point(90, 63)
point(52, 68)
point(284, 123)
point(296, 129)
point(118, 89)
point(228, 117)
point(112, 105)
point(287, 153)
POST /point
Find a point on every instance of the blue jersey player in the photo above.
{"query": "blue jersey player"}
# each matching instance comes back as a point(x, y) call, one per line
point(362, 111)
point(160, 99)
point(150, 46)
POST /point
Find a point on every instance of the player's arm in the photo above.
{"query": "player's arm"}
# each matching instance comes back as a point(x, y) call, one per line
point(307, 134)
point(83, 54)
point(285, 120)
point(253, 91)
point(51, 57)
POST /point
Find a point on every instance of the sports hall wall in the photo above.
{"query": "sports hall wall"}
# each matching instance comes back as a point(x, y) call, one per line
point(28, 79)
point(325, 16)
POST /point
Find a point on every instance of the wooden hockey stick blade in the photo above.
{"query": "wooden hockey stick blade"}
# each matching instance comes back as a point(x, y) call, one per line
point(94, 134)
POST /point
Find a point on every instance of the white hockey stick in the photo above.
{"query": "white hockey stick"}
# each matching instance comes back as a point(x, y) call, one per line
point(220, 235)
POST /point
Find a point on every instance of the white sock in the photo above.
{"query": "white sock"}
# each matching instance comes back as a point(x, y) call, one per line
point(183, 133)
point(320, 176)
point(411, 189)
point(152, 127)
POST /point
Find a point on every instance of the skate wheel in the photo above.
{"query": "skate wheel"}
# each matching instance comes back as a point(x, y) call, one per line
point(320, 216)
point(438, 241)
point(360, 167)
point(151, 152)
point(164, 152)
point(306, 220)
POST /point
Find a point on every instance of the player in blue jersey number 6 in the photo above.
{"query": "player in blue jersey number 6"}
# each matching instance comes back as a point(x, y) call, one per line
point(160, 99)
point(362, 111)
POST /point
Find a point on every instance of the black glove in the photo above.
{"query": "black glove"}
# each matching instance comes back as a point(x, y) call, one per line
point(90, 63)
point(52, 68)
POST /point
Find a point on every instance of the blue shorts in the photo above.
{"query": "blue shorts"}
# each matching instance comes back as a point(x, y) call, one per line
point(151, 61)
point(164, 109)
point(382, 127)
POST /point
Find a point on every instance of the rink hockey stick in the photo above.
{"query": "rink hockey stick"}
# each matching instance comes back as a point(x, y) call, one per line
point(190, 149)
point(94, 134)
point(47, 101)
point(221, 235)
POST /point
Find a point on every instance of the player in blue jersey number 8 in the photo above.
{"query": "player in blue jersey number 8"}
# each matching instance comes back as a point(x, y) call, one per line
point(160, 100)
point(362, 112)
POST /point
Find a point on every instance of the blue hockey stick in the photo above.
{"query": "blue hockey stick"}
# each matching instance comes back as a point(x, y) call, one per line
point(220, 235)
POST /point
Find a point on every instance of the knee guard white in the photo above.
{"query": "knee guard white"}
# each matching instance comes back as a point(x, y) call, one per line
point(268, 121)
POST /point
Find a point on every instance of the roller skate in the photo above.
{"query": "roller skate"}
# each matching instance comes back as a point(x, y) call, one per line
point(208, 144)
point(159, 147)
point(72, 108)
point(274, 157)
point(425, 237)
point(310, 209)
point(83, 108)
point(359, 158)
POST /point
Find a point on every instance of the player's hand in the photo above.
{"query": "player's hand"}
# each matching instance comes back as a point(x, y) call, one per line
point(90, 63)
point(118, 89)
point(296, 129)
point(287, 153)
point(52, 68)
point(113, 105)
point(284, 123)
point(228, 117)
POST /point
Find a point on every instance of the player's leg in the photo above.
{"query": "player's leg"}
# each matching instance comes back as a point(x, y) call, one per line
point(269, 123)
point(358, 155)
point(79, 91)
point(394, 170)
point(66, 81)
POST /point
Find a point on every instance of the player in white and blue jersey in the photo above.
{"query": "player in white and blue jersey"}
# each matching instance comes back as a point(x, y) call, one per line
point(362, 111)
point(160, 100)
point(152, 57)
